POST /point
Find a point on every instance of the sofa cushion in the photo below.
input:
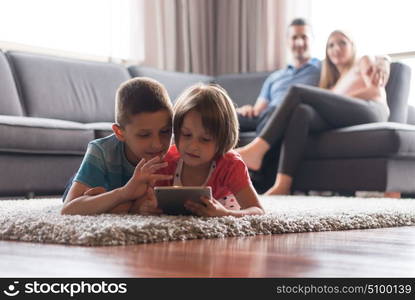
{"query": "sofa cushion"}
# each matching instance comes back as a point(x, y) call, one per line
point(243, 88)
point(246, 137)
point(372, 140)
point(101, 129)
point(9, 97)
point(25, 174)
point(67, 89)
point(43, 136)
point(175, 82)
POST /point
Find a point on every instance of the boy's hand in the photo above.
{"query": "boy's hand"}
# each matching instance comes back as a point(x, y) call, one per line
point(143, 177)
point(209, 208)
point(146, 205)
point(122, 208)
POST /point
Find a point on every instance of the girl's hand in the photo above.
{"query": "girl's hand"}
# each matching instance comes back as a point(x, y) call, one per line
point(375, 70)
point(382, 71)
point(210, 207)
point(146, 205)
point(143, 177)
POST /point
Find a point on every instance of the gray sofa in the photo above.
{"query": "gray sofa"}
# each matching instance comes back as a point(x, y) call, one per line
point(50, 108)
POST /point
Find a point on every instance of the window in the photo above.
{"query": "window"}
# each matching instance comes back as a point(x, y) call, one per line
point(378, 27)
point(100, 28)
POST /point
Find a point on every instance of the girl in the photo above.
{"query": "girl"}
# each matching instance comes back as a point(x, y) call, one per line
point(205, 130)
point(351, 92)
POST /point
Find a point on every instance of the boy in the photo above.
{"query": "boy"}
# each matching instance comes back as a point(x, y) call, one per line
point(117, 170)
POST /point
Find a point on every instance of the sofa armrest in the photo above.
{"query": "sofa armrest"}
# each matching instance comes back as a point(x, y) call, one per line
point(411, 115)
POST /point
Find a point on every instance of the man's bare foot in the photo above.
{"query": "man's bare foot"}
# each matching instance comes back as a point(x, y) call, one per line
point(250, 157)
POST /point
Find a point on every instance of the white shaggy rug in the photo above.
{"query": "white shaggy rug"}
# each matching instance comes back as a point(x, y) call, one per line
point(39, 220)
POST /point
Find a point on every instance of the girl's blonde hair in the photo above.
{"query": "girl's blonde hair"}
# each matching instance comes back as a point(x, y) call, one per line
point(329, 73)
point(217, 111)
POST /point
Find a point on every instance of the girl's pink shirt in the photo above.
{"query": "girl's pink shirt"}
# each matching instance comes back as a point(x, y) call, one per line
point(229, 177)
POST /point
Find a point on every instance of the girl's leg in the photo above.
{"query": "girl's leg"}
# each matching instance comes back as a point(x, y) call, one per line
point(254, 152)
point(304, 120)
point(337, 110)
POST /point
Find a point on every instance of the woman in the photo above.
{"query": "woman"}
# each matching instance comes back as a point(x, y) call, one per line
point(351, 92)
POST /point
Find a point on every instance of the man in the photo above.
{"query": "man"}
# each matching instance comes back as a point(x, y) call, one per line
point(304, 69)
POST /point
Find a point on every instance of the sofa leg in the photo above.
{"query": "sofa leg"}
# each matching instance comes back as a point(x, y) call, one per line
point(30, 195)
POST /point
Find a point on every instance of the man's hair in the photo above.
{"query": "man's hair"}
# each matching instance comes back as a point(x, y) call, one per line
point(139, 95)
point(299, 22)
point(218, 114)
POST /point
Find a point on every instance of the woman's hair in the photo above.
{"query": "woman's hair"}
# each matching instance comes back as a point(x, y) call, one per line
point(218, 114)
point(329, 73)
point(139, 95)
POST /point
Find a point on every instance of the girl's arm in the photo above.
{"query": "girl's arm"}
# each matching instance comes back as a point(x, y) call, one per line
point(249, 202)
point(146, 205)
point(247, 199)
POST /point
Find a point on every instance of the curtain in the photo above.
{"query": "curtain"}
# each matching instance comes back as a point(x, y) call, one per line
point(179, 35)
point(215, 36)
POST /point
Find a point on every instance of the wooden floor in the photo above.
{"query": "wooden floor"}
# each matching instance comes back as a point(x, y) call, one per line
point(386, 252)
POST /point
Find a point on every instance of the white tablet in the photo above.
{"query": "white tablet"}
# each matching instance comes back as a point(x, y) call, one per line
point(171, 198)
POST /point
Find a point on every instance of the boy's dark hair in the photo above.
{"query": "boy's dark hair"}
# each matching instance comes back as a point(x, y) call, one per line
point(217, 111)
point(139, 95)
point(299, 22)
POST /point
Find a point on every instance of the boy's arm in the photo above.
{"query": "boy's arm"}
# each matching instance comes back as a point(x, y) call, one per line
point(79, 203)
point(122, 208)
